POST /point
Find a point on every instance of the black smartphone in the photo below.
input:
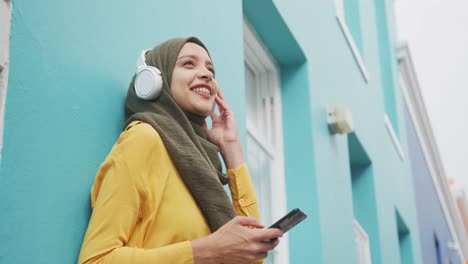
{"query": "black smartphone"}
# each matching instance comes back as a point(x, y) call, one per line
point(288, 221)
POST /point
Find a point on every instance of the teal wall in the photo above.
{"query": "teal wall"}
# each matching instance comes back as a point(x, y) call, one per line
point(388, 67)
point(352, 10)
point(71, 63)
point(335, 78)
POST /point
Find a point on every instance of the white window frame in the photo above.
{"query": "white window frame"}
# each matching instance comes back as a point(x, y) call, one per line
point(361, 239)
point(5, 22)
point(340, 17)
point(264, 67)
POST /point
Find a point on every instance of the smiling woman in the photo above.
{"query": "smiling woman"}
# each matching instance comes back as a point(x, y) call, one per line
point(192, 86)
point(158, 196)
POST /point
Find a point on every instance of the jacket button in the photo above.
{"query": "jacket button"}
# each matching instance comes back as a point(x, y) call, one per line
point(241, 201)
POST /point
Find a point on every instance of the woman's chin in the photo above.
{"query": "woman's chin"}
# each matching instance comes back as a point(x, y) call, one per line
point(202, 110)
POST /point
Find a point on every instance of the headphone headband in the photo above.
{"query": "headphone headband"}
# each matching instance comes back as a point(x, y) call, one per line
point(148, 80)
point(141, 61)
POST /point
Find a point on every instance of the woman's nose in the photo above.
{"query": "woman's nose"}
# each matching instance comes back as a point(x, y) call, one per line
point(205, 74)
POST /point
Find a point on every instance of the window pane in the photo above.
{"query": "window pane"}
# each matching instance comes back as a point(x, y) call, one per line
point(259, 167)
point(259, 164)
point(251, 94)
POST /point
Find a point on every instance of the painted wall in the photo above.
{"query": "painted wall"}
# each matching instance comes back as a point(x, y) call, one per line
point(71, 63)
point(70, 67)
point(335, 78)
point(432, 222)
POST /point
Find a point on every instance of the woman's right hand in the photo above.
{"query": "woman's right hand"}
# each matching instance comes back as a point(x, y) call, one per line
point(235, 243)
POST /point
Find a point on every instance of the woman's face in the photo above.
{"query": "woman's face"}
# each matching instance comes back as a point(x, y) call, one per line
point(192, 80)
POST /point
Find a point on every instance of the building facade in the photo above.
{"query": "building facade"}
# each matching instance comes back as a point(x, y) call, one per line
point(442, 233)
point(282, 64)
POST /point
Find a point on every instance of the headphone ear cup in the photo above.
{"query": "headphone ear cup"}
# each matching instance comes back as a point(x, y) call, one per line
point(148, 83)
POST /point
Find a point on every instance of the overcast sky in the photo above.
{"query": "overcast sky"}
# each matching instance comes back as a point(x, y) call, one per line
point(437, 34)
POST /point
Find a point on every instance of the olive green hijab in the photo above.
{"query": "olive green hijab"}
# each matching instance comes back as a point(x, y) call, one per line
point(195, 158)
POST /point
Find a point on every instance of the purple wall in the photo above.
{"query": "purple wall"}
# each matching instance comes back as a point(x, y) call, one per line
point(432, 223)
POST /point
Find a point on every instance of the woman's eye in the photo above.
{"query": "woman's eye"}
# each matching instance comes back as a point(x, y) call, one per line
point(188, 63)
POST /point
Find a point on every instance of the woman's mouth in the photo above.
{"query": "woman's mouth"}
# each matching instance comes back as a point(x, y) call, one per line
point(203, 91)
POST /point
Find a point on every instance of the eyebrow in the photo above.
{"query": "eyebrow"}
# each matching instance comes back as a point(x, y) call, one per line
point(193, 57)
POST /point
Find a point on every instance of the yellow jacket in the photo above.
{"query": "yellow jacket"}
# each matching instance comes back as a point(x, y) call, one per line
point(145, 214)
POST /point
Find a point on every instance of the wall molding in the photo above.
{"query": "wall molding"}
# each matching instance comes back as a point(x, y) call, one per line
point(393, 136)
point(350, 40)
point(258, 57)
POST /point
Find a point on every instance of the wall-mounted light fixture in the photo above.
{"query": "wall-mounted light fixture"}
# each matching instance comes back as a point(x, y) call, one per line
point(339, 119)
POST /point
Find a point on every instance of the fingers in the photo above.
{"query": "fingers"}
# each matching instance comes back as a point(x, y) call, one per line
point(213, 114)
point(215, 85)
point(247, 221)
point(222, 105)
point(244, 243)
point(221, 99)
point(268, 236)
point(220, 94)
point(261, 255)
point(260, 250)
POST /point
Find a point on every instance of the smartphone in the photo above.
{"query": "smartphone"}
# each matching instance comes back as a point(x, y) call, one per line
point(288, 221)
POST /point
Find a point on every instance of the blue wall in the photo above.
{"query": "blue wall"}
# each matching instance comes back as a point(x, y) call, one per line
point(335, 78)
point(71, 63)
point(432, 222)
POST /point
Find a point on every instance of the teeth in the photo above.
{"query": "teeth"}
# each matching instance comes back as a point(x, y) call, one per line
point(202, 90)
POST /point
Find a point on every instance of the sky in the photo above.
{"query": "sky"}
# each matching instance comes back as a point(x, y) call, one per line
point(437, 35)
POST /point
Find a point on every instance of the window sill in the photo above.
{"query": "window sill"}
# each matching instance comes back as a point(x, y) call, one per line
point(394, 138)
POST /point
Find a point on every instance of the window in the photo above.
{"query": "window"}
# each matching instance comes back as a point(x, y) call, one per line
point(364, 201)
point(404, 240)
point(264, 135)
point(350, 12)
point(362, 244)
point(347, 14)
point(388, 68)
point(5, 16)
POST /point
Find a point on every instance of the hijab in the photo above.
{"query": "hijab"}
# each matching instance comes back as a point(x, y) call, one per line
point(184, 136)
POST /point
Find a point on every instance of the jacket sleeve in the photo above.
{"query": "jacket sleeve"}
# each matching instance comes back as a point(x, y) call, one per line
point(242, 191)
point(114, 217)
point(243, 194)
point(116, 198)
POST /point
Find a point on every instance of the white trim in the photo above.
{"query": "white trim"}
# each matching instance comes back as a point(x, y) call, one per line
point(5, 24)
point(257, 57)
point(262, 60)
point(394, 137)
point(251, 130)
point(362, 237)
point(420, 119)
point(340, 17)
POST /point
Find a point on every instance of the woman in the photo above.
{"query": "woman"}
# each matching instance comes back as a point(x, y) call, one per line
point(158, 197)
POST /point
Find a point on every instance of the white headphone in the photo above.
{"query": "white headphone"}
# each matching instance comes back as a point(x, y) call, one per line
point(148, 80)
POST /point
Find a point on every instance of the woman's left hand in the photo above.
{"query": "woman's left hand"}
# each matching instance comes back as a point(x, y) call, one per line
point(224, 132)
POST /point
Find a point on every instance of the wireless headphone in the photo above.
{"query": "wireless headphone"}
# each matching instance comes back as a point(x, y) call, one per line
point(148, 80)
